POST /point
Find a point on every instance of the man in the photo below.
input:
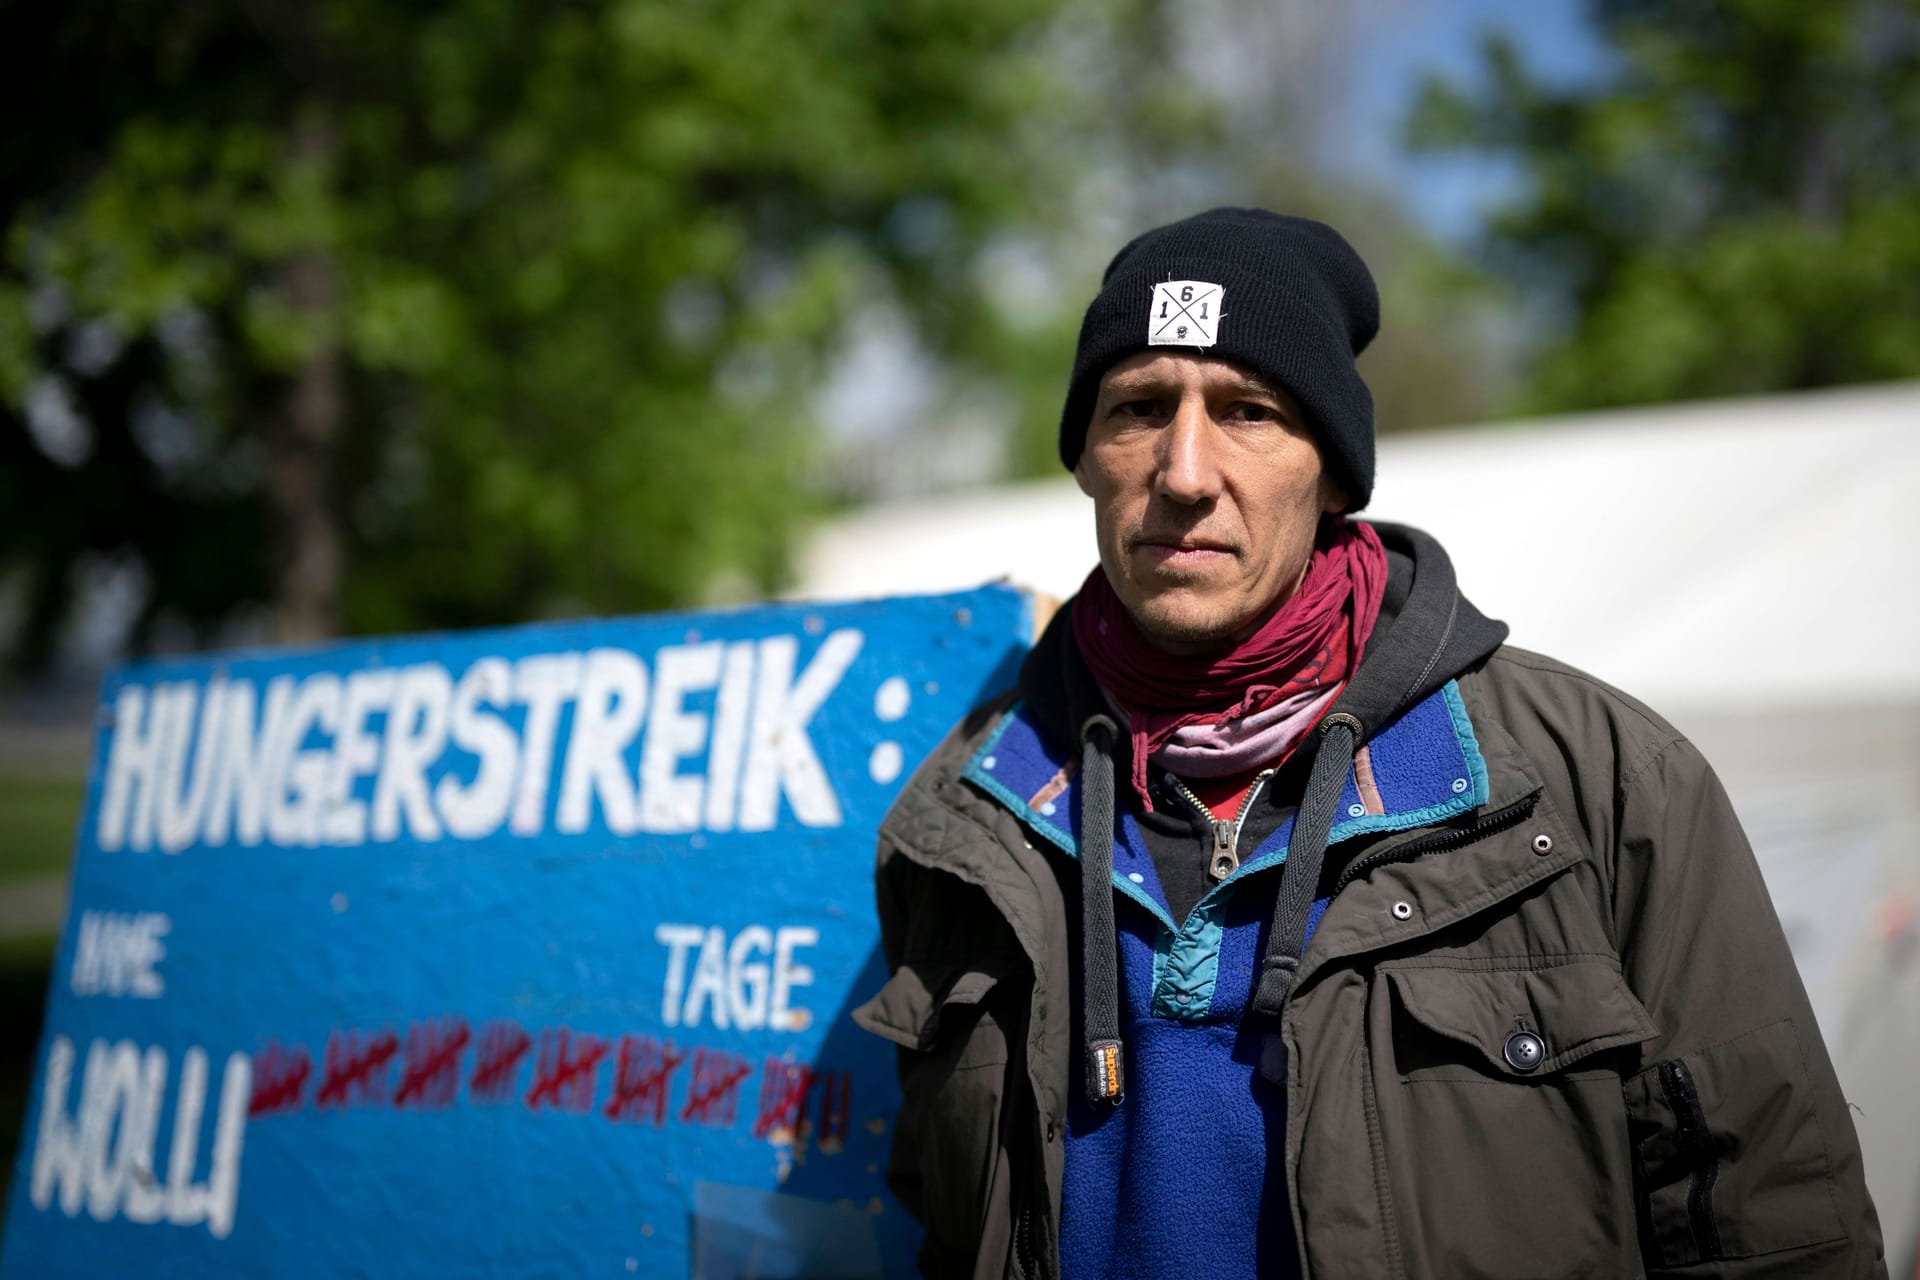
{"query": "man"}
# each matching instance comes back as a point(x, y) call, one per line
point(1284, 921)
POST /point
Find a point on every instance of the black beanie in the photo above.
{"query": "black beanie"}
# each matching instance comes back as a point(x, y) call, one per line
point(1285, 296)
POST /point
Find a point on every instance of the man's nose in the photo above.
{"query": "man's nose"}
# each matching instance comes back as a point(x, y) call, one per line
point(1189, 469)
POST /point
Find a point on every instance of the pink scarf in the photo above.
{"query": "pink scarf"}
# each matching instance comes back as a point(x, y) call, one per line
point(1249, 704)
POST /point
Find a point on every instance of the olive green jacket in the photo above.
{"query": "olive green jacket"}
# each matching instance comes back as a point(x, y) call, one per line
point(1684, 1121)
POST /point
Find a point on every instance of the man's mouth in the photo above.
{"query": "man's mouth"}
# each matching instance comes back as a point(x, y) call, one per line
point(1184, 552)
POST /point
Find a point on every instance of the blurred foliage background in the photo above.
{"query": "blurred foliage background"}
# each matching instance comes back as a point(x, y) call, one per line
point(355, 316)
point(362, 317)
point(1735, 209)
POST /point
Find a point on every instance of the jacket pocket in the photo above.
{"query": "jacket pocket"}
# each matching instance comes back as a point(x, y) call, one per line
point(948, 1165)
point(1517, 1022)
point(1729, 1151)
point(910, 1009)
point(1502, 1130)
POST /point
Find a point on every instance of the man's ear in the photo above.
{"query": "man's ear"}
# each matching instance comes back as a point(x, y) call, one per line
point(1080, 472)
point(1333, 495)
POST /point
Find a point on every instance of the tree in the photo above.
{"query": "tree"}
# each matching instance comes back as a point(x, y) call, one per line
point(383, 316)
point(1733, 208)
point(1240, 102)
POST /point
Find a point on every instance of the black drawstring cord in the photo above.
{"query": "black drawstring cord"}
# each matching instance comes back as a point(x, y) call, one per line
point(1300, 880)
point(1099, 945)
point(1306, 852)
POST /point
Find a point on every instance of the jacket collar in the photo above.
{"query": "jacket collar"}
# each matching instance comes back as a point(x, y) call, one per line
point(1462, 881)
point(1424, 766)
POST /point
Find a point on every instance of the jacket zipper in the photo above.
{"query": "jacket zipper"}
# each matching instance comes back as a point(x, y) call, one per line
point(1692, 1136)
point(1023, 1250)
point(1225, 859)
point(1439, 840)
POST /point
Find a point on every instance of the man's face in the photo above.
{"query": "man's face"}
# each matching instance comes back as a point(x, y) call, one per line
point(1207, 490)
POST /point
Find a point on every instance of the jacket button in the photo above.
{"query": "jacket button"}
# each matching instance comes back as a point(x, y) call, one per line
point(1524, 1050)
point(1403, 911)
point(1050, 1131)
point(1543, 844)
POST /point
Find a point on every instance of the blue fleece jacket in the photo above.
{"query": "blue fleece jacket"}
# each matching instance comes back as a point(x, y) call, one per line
point(1186, 1176)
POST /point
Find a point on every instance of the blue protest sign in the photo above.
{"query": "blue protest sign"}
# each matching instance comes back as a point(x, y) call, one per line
point(521, 952)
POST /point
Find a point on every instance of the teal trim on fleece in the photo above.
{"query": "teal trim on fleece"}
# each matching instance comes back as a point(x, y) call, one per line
point(1186, 956)
point(980, 772)
point(1192, 954)
point(1183, 984)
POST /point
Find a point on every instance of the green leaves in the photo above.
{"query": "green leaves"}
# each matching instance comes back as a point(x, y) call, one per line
point(523, 306)
point(1736, 209)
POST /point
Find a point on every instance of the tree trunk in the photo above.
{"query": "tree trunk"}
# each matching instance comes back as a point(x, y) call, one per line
point(307, 607)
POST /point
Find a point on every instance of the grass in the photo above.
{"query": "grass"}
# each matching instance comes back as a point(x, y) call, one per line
point(38, 817)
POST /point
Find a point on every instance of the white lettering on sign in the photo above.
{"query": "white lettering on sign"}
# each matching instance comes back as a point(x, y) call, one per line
point(787, 975)
point(142, 725)
point(746, 984)
point(239, 792)
point(477, 808)
point(780, 756)
point(606, 716)
point(102, 1156)
point(343, 818)
point(297, 773)
point(182, 785)
point(672, 799)
point(545, 683)
point(711, 735)
point(416, 736)
point(729, 734)
point(116, 954)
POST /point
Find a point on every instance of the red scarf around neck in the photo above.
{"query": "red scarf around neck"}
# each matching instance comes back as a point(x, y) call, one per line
point(1312, 640)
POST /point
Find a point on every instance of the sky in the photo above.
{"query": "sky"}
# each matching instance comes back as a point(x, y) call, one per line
point(1397, 43)
point(1384, 51)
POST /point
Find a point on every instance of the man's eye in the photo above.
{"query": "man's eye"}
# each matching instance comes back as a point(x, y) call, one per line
point(1137, 408)
point(1247, 411)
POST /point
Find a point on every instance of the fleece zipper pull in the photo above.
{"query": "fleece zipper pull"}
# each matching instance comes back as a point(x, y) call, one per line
point(1225, 858)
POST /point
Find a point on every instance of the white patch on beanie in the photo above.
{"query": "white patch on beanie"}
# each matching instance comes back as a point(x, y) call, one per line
point(1185, 313)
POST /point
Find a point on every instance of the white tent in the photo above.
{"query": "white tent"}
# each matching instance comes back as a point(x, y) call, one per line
point(1745, 566)
point(1745, 528)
